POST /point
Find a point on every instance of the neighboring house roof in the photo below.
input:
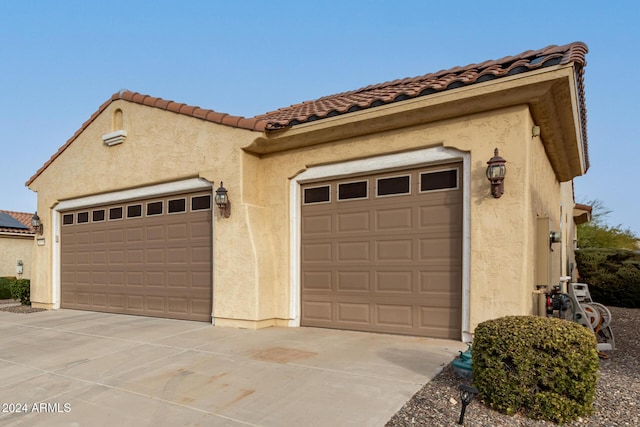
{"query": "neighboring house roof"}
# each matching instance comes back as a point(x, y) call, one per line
point(584, 207)
point(373, 95)
point(15, 222)
point(582, 213)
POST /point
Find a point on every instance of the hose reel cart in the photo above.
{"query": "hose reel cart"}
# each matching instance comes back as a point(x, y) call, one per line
point(577, 305)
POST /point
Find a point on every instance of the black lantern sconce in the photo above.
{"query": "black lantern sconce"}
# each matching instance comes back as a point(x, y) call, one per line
point(36, 224)
point(495, 173)
point(222, 200)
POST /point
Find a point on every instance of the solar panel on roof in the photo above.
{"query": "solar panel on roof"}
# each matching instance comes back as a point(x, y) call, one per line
point(8, 221)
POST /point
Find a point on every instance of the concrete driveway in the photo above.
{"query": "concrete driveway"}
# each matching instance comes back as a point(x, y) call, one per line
point(76, 368)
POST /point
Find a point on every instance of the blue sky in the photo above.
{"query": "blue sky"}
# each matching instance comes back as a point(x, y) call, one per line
point(60, 60)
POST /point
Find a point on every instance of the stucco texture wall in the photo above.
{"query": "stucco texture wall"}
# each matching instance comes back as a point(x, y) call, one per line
point(252, 283)
point(160, 147)
point(501, 230)
point(569, 231)
point(14, 248)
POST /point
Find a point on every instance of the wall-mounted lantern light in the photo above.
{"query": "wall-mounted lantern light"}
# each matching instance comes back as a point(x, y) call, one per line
point(36, 223)
point(222, 200)
point(496, 170)
point(19, 267)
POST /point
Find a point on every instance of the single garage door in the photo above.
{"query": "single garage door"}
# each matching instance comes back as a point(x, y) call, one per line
point(383, 252)
point(148, 257)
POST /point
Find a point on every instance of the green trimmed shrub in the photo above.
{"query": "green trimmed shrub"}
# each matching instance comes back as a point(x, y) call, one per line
point(544, 368)
point(21, 290)
point(613, 276)
point(5, 287)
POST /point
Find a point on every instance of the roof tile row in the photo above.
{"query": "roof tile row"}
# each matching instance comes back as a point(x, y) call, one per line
point(187, 110)
point(398, 90)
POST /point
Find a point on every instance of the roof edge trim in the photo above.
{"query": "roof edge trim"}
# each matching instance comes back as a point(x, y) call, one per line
point(224, 119)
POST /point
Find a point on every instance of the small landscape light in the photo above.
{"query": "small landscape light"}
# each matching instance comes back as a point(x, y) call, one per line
point(467, 393)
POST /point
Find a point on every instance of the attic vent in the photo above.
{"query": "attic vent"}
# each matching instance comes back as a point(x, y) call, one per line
point(114, 138)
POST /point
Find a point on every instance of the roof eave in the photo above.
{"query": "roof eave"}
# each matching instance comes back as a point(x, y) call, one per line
point(15, 234)
point(558, 114)
point(239, 122)
point(582, 213)
point(550, 92)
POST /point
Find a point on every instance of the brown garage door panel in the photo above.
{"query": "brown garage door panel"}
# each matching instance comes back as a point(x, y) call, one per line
point(385, 264)
point(148, 265)
point(390, 318)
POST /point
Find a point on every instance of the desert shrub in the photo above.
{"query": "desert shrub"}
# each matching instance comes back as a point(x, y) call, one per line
point(545, 368)
point(21, 291)
point(5, 287)
point(613, 276)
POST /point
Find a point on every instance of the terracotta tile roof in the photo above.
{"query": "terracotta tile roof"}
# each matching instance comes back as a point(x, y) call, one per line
point(188, 110)
point(413, 87)
point(370, 96)
point(22, 217)
point(399, 90)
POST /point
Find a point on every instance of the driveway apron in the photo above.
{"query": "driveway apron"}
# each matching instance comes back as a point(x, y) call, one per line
point(78, 368)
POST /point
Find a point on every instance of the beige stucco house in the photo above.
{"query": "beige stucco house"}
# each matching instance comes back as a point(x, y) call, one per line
point(16, 244)
point(367, 210)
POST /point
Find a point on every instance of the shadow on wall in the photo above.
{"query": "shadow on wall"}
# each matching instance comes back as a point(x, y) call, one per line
point(482, 192)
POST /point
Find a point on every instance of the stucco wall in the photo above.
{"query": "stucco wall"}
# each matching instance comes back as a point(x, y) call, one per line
point(569, 231)
point(252, 283)
point(14, 248)
point(502, 246)
point(160, 147)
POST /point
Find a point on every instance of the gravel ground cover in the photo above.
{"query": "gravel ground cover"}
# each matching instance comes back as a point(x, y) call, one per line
point(9, 305)
point(617, 400)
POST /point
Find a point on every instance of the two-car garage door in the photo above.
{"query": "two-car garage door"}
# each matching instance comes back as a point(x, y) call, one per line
point(383, 252)
point(379, 252)
point(150, 257)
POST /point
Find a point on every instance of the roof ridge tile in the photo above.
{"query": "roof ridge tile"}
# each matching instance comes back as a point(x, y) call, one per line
point(150, 101)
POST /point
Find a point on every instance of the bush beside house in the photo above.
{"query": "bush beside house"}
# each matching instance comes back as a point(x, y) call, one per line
point(21, 291)
point(613, 275)
point(545, 368)
point(5, 287)
point(18, 289)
